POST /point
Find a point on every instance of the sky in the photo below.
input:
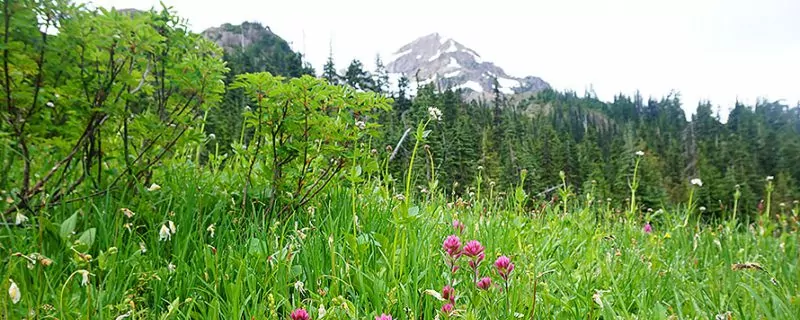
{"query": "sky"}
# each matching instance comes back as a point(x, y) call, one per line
point(716, 50)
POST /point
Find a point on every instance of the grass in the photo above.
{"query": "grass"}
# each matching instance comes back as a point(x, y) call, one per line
point(586, 260)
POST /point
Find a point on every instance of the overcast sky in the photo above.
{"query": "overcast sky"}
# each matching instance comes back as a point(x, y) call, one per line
point(705, 49)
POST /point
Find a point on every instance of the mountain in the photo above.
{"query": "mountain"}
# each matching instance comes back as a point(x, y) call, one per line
point(252, 47)
point(448, 63)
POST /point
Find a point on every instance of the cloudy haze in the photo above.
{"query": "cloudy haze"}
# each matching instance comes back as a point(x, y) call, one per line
point(705, 49)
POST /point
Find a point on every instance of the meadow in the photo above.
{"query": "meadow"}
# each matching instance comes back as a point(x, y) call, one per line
point(119, 202)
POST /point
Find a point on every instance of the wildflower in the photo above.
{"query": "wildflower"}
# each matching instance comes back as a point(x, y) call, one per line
point(448, 293)
point(448, 308)
point(164, 234)
point(640, 153)
point(504, 266)
point(300, 286)
point(171, 267)
point(435, 113)
point(142, 247)
point(648, 228)
point(473, 248)
point(57, 95)
point(702, 208)
point(452, 245)
point(123, 316)
point(484, 283)
point(383, 317)
point(20, 218)
point(667, 236)
point(9, 200)
point(127, 212)
point(171, 226)
point(211, 229)
point(480, 168)
point(13, 292)
point(84, 277)
point(697, 182)
point(154, 187)
point(300, 314)
point(212, 136)
point(361, 125)
point(597, 297)
point(400, 197)
point(321, 311)
point(770, 178)
point(458, 226)
point(50, 104)
point(727, 315)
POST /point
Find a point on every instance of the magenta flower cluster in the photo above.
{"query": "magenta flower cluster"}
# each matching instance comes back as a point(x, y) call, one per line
point(474, 251)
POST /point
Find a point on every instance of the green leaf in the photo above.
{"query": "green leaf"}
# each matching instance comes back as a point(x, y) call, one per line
point(68, 226)
point(87, 237)
point(256, 247)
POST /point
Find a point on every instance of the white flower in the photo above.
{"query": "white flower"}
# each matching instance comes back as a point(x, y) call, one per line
point(435, 113)
point(20, 219)
point(321, 311)
point(300, 286)
point(142, 247)
point(400, 197)
point(57, 96)
point(164, 234)
point(598, 298)
point(640, 153)
point(127, 212)
point(84, 277)
point(211, 229)
point(171, 267)
point(702, 208)
point(154, 187)
point(50, 104)
point(247, 108)
point(212, 136)
point(770, 178)
point(361, 125)
point(13, 292)
point(171, 226)
point(697, 182)
point(123, 316)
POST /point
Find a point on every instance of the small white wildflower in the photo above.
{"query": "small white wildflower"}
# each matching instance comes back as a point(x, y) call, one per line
point(211, 229)
point(321, 312)
point(640, 153)
point(84, 277)
point(702, 208)
point(127, 212)
point(57, 95)
point(13, 292)
point(171, 226)
point(361, 125)
point(20, 219)
point(212, 136)
point(163, 233)
point(770, 178)
point(697, 182)
point(142, 247)
point(300, 286)
point(435, 113)
point(597, 297)
point(50, 104)
point(400, 197)
point(123, 316)
point(154, 187)
point(247, 109)
point(171, 267)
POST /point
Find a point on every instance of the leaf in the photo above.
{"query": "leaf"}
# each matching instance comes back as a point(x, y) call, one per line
point(426, 133)
point(68, 226)
point(413, 211)
point(297, 270)
point(87, 237)
point(256, 246)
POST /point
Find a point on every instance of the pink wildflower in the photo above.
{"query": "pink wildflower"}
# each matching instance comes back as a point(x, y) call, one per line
point(473, 248)
point(452, 245)
point(484, 283)
point(458, 226)
point(504, 266)
point(648, 228)
point(300, 314)
point(384, 317)
point(448, 308)
point(448, 293)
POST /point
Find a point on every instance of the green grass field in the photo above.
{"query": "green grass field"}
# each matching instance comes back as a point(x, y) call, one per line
point(385, 256)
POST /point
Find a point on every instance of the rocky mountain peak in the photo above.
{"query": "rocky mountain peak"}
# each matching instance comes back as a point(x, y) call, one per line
point(448, 63)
